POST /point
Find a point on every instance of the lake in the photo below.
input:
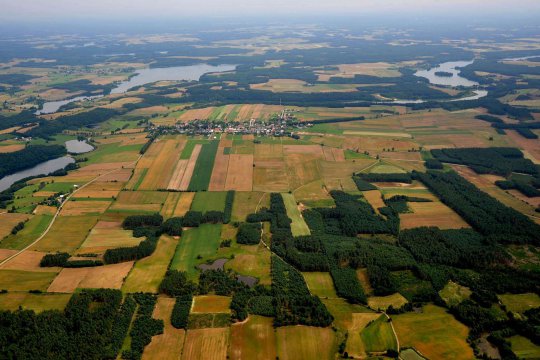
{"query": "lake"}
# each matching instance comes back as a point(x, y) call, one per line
point(51, 107)
point(145, 76)
point(42, 169)
point(176, 73)
point(78, 147)
point(450, 67)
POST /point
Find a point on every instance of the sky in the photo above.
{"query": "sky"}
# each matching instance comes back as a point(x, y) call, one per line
point(20, 10)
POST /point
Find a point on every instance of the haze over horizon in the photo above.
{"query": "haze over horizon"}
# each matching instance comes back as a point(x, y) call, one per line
point(125, 9)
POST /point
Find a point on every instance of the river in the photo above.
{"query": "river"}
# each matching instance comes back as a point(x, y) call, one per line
point(146, 76)
point(44, 168)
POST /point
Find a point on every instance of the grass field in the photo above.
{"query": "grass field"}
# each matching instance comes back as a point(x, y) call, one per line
point(298, 226)
point(246, 203)
point(355, 345)
point(378, 336)
point(209, 201)
point(166, 346)
point(383, 302)
point(203, 168)
point(251, 261)
point(453, 293)
point(320, 284)
point(253, 339)
point(36, 302)
point(8, 222)
point(208, 344)
point(147, 273)
point(524, 348)
point(305, 342)
point(202, 241)
point(519, 303)
point(32, 230)
point(434, 332)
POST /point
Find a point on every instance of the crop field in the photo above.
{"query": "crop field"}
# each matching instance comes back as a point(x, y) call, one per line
point(107, 276)
point(292, 85)
point(211, 304)
point(298, 226)
point(37, 302)
point(160, 171)
point(28, 261)
point(270, 176)
point(431, 214)
point(108, 235)
point(209, 201)
point(32, 229)
point(305, 343)
point(253, 339)
point(434, 332)
point(320, 284)
point(147, 273)
point(184, 203)
point(101, 189)
point(8, 222)
point(66, 234)
point(83, 207)
point(519, 303)
point(314, 194)
point(355, 345)
point(378, 336)
point(208, 344)
point(167, 211)
point(20, 280)
point(166, 346)
point(246, 203)
point(202, 172)
point(240, 172)
point(144, 201)
point(374, 198)
point(219, 173)
point(202, 241)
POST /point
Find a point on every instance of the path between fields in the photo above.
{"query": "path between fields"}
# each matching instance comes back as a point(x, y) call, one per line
point(58, 213)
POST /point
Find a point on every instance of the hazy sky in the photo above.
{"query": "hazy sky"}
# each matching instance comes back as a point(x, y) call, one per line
point(14, 10)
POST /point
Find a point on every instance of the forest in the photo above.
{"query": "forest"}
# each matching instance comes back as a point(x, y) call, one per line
point(28, 157)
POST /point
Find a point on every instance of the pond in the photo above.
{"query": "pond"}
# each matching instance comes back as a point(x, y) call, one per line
point(216, 265)
point(78, 147)
point(44, 168)
point(248, 280)
point(176, 73)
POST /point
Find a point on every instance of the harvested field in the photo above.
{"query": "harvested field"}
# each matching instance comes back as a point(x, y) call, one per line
point(163, 167)
point(205, 304)
point(219, 173)
point(268, 152)
point(434, 332)
point(190, 168)
point(240, 173)
point(298, 225)
point(314, 150)
point(28, 261)
point(305, 342)
point(103, 237)
point(383, 302)
point(270, 176)
point(101, 189)
point(147, 273)
point(11, 148)
point(378, 69)
point(35, 302)
point(184, 203)
point(5, 253)
point(8, 222)
point(121, 176)
point(144, 201)
point(301, 169)
point(106, 277)
point(66, 234)
point(253, 339)
point(197, 114)
point(170, 204)
point(44, 210)
point(432, 214)
point(208, 344)
point(374, 198)
point(19, 280)
point(320, 284)
point(167, 346)
point(80, 207)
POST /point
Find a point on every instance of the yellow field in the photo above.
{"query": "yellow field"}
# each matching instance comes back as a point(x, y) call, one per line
point(77, 207)
point(211, 304)
point(167, 346)
point(320, 284)
point(147, 273)
point(305, 342)
point(19, 280)
point(170, 204)
point(253, 339)
point(184, 203)
point(431, 214)
point(100, 189)
point(383, 302)
point(150, 201)
point(355, 346)
point(208, 344)
point(36, 302)
point(8, 222)
point(161, 169)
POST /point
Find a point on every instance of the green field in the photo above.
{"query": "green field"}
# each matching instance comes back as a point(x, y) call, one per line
point(37, 302)
point(519, 303)
point(200, 242)
point(524, 348)
point(204, 166)
point(320, 284)
point(453, 293)
point(378, 336)
point(19, 280)
point(209, 201)
point(32, 230)
point(298, 225)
